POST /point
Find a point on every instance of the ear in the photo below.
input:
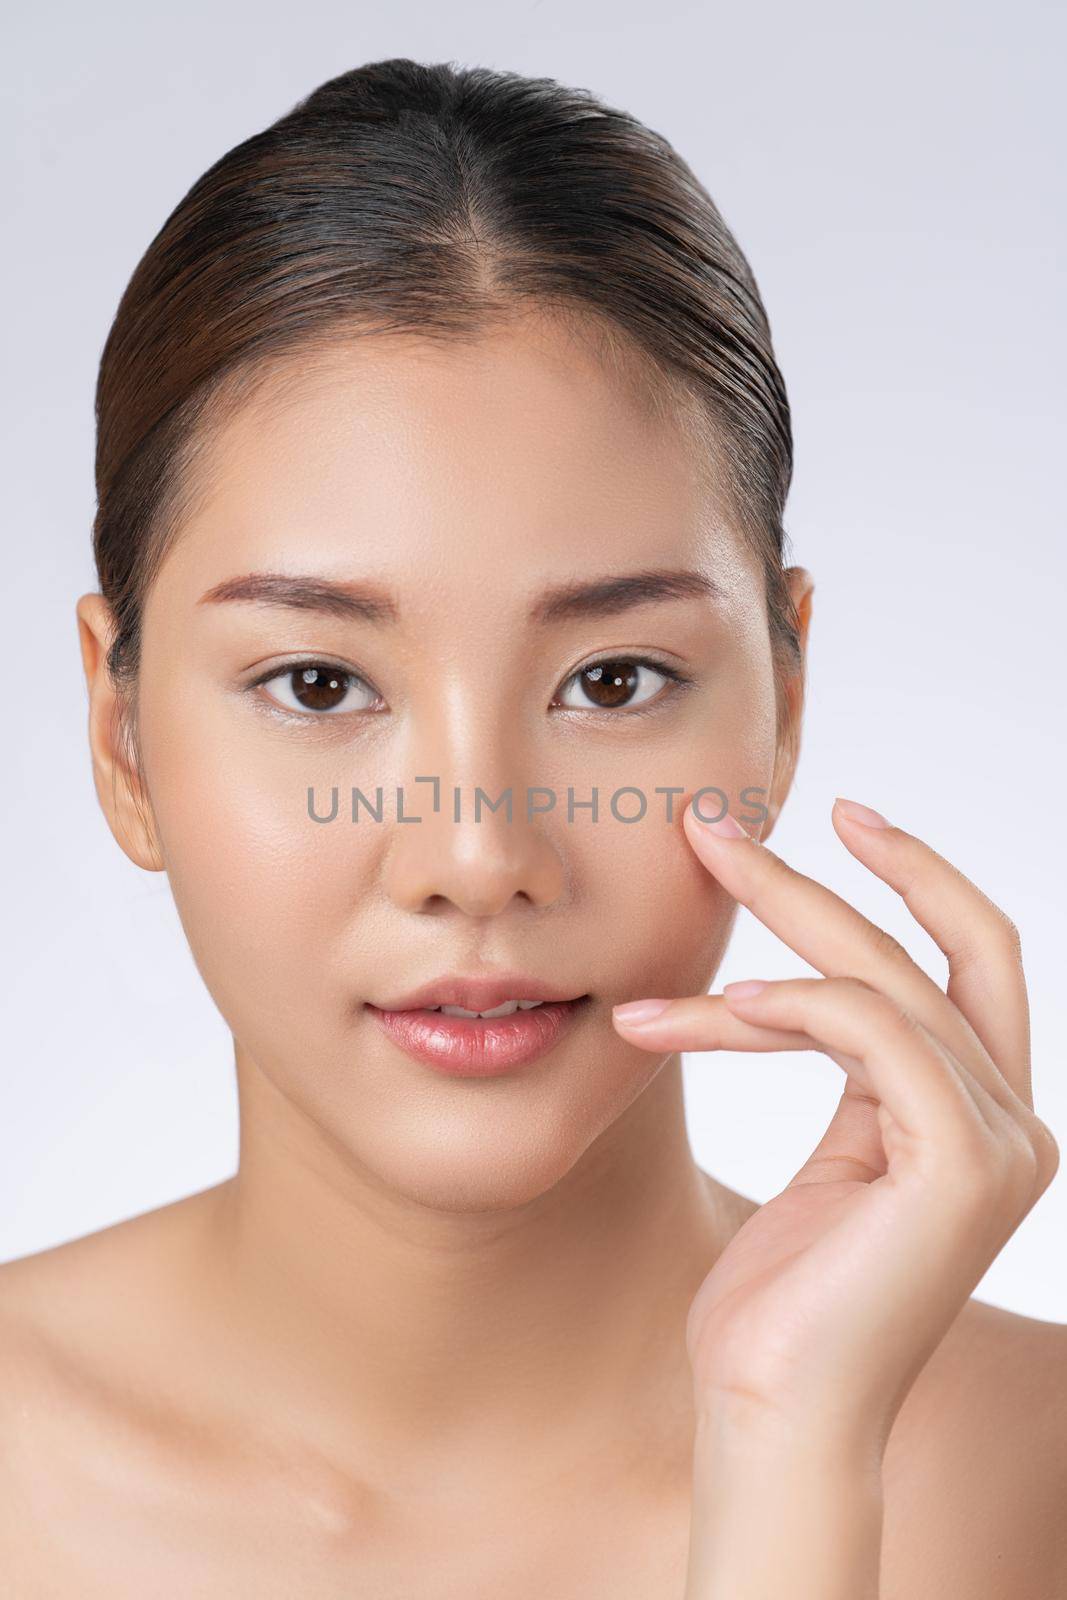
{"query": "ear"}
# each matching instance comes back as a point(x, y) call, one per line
point(119, 787)
point(801, 587)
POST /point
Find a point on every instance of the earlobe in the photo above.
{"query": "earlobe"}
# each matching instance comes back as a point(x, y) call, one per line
point(118, 782)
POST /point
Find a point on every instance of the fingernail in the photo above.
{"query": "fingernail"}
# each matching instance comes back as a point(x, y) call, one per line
point(726, 826)
point(639, 1010)
point(745, 987)
point(864, 814)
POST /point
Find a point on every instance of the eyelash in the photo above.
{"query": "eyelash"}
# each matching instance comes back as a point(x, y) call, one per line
point(680, 681)
point(301, 664)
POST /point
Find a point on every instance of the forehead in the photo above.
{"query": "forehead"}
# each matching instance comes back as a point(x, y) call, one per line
point(522, 450)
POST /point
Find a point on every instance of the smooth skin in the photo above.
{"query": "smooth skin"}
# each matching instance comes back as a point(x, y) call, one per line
point(476, 1338)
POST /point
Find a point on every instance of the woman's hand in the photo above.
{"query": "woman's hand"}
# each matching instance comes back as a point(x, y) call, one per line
point(827, 1303)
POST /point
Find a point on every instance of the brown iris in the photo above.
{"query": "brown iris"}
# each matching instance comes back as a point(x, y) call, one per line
point(319, 688)
point(610, 683)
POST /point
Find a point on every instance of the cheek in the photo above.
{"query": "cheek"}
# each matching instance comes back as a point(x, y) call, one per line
point(261, 889)
point(667, 918)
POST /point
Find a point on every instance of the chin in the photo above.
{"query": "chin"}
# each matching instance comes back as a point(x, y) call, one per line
point(495, 1152)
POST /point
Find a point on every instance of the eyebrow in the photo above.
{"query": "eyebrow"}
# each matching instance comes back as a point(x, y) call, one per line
point(601, 597)
point(365, 601)
point(368, 602)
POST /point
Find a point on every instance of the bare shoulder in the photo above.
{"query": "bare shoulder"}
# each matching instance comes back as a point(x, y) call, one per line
point(75, 1321)
point(976, 1466)
point(86, 1290)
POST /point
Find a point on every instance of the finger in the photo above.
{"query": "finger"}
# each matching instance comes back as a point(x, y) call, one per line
point(704, 1022)
point(839, 941)
point(986, 980)
point(943, 1119)
point(695, 1023)
point(698, 1023)
point(851, 1147)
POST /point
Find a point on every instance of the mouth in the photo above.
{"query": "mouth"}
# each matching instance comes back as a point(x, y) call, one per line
point(465, 1042)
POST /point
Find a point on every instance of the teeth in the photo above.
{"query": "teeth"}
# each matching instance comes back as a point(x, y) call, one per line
point(508, 1008)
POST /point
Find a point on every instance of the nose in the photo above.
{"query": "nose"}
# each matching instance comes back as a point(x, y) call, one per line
point(479, 864)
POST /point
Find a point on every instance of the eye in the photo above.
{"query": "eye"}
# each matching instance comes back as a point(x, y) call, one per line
point(318, 688)
point(617, 683)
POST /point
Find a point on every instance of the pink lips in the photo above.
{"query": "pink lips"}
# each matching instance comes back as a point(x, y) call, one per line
point(476, 1047)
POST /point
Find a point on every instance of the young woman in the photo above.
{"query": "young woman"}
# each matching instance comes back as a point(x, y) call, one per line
point(442, 453)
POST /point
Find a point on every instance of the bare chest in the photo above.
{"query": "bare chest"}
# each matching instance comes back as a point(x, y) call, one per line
point(69, 1541)
point(114, 1522)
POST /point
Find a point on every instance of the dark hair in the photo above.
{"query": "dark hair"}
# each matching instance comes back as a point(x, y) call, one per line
point(436, 201)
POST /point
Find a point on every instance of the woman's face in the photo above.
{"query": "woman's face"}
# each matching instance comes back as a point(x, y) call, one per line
point(465, 483)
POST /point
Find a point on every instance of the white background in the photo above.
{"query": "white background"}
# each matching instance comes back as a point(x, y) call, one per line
point(892, 173)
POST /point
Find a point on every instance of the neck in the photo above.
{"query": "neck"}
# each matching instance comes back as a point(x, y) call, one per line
point(369, 1316)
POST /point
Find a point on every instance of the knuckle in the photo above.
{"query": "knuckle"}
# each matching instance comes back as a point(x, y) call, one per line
point(1046, 1139)
point(1001, 1165)
point(1022, 1168)
point(991, 930)
point(1046, 1151)
point(886, 948)
point(1006, 932)
point(881, 1010)
point(900, 1019)
point(1016, 1163)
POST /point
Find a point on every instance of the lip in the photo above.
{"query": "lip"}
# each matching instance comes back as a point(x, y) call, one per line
point(478, 993)
point(474, 1047)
